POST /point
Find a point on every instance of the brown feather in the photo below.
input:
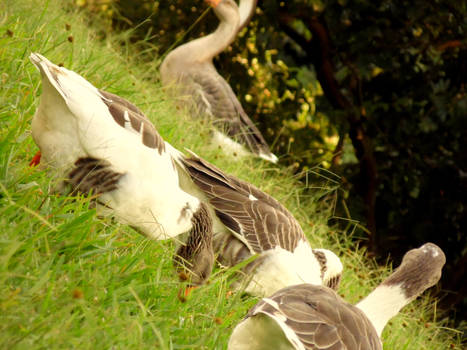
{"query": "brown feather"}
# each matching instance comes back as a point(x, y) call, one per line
point(196, 255)
point(321, 319)
point(264, 222)
point(119, 107)
point(215, 97)
point(90, 174)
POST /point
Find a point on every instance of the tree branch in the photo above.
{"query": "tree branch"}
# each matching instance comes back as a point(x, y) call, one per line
point(318, 51)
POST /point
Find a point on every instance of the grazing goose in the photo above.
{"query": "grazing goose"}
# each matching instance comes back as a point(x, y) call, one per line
point(315, 317)
point(191, 69)
point(102, 143)
point(248, 221)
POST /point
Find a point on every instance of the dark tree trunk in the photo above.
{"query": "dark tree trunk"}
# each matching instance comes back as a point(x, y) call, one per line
point(318, 51)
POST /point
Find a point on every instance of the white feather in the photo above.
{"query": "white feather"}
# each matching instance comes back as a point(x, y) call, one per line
point(382, 304)
point(282, 268)
point(229, 146)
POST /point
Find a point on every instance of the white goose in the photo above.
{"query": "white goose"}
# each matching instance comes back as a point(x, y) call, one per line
point(247, 221)
point(190, 72)
point(314, 317)
point(101, 142)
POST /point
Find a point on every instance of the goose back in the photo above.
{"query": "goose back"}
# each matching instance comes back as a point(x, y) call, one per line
point(310, 317)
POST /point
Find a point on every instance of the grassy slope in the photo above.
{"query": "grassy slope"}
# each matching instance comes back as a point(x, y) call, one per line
point(71, 280)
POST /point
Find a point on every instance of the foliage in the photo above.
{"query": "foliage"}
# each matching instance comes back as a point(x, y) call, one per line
point(404, 64)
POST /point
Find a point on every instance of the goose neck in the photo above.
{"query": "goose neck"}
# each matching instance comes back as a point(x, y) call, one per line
point(246, 9)
point(206, 48)
point(383, 304)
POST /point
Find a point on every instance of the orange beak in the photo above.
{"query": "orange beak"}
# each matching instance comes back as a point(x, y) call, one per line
point(188, 290)
point(183, 295)
point(36, 159)
point(213, 3)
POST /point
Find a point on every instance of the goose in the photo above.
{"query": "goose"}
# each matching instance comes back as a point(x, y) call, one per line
point(189, 71)
point(247, 222)
point(102, 143)
point(309, 317)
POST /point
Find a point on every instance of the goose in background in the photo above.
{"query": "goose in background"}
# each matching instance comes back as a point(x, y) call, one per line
point(189, 72)
point(315, 317)
point(247, 222)
point(102, 143)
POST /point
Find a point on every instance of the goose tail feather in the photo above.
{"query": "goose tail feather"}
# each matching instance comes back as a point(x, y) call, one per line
point(48, 70)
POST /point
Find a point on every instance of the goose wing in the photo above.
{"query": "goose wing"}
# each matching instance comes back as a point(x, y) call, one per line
point(318, 318)
point(130, 117)
point(256, 218)
point(214, 96)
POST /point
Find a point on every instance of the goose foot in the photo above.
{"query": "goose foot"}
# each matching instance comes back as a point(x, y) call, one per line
point(36, 159)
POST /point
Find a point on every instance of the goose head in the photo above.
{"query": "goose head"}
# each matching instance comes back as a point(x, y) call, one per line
point(195, 258)
point(224, 9)
point(331, 267)
point(245, 9)
point(419, 270)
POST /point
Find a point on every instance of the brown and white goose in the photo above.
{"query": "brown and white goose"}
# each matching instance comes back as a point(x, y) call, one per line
point(247, 221)
point(100, 142)
point(315, 317)
point(189, 71)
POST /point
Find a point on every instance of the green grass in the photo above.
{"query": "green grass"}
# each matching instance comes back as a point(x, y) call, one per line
point(71, 280)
